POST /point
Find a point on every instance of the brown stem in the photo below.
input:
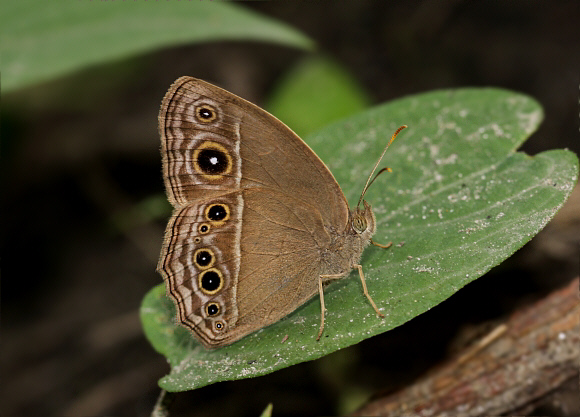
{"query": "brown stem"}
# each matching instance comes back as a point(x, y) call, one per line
point(524, 359)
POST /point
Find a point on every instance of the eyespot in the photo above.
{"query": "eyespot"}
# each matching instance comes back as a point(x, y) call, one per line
point(219, 326)
point(212, 309)
point(205, 113)
point(217, 213)
point(197, 239)
point(203, 228)
point(203, 258)
point(212, 160)
point(210, 281)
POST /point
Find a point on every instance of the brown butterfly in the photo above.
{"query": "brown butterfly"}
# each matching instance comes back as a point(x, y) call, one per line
point(260, 224)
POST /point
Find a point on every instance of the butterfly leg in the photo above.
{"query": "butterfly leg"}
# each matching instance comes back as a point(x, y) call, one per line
point(365, 291)
point(388, 245)
point(322, 308)
point(321, 279)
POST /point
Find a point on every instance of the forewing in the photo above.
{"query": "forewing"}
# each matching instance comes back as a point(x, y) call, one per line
point(264, 152)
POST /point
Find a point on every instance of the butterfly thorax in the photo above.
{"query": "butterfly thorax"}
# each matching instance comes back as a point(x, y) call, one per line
point(346, 248)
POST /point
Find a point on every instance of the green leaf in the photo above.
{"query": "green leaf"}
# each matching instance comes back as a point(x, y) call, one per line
point(315, 93)
point(267, 411)
point(42, 40)
point(460, 198)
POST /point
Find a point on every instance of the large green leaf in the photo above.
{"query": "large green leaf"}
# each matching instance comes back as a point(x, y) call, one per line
point(41, 40)
point(460, 198)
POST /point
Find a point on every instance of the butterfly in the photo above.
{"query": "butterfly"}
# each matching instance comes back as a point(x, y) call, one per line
point(260, 225)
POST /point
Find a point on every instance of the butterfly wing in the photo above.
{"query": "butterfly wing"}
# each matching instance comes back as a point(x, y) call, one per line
point(199, 266)
point(254, 148)
point(254, 208)
point(244, 273)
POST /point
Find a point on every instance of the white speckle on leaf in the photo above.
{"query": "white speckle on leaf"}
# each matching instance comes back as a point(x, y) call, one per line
point(358, 147)
point(529, 121)
point(433, 150)
point(451, 159)
point(423, 268)
point(497, 129)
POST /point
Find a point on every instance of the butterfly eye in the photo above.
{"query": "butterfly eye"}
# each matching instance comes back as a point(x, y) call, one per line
point(359, 224)
point(205, 113)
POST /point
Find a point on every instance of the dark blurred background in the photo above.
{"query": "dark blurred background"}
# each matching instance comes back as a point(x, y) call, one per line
point(81, 166)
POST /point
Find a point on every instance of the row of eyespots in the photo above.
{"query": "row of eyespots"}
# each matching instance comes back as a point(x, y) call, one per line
point(216, 215)
point(210, 159)
point(210, 279)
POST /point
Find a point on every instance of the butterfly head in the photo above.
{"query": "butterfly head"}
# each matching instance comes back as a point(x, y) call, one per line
point(363, 221)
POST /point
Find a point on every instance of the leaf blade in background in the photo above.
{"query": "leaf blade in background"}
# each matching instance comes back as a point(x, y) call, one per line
point(45, 40)
point(332, 94)
point(460, 197)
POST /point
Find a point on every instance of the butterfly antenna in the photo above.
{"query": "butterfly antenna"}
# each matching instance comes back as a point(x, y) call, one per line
point(371, 179)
